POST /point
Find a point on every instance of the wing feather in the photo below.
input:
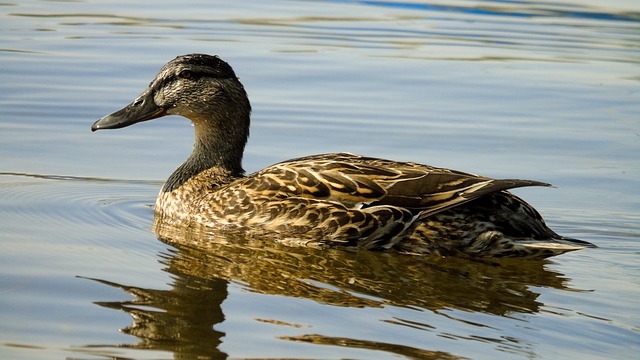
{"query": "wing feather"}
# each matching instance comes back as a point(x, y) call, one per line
point(353, 180)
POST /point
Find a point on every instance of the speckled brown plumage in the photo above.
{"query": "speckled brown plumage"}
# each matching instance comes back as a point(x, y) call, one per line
point(329, 199)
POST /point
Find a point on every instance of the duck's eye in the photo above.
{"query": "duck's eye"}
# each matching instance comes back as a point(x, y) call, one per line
point(185, 74)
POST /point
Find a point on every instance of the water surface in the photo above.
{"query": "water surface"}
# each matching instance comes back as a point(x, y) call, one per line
point(542, 90)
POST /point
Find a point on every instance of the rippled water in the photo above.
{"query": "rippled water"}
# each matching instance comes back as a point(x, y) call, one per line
point(541, 90)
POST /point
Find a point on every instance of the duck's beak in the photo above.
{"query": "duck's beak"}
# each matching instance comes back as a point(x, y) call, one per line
point(141, 109)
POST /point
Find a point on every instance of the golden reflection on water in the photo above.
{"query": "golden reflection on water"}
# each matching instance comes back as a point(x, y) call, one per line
point(183, 319)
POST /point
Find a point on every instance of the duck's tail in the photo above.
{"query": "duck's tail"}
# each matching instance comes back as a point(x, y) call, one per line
point(536, 249)
point(556, 246)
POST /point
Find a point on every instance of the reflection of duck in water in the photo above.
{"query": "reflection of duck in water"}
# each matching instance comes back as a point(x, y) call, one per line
point(499, 286)
point(180, 320)
point(333, 199)
point(184, 318)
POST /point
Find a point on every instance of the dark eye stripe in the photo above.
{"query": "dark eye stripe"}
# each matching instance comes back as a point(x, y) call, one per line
point(194, 67)
point(192, 74)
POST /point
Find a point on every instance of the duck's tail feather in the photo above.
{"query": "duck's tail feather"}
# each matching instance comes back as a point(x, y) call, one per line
point(541, 249)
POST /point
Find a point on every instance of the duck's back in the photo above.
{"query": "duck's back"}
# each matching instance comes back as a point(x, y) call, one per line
point(345, 199)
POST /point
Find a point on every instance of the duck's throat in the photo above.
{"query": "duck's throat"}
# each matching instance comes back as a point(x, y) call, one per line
point(221, 165)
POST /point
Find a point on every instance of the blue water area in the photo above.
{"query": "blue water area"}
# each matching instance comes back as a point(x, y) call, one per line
point(508, 89)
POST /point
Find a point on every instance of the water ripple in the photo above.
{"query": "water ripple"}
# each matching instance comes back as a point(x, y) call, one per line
point(73, 200)
point(507, 8)
point(558, 32)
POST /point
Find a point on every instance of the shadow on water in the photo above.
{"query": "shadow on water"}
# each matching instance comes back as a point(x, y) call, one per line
point(202, 264)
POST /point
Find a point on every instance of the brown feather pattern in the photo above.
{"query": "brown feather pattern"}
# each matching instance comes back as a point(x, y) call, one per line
point(351, 200)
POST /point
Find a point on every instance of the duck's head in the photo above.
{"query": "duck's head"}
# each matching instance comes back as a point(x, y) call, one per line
point(202, 88)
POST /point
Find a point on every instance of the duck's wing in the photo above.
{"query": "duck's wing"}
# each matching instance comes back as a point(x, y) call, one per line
point(357, 182)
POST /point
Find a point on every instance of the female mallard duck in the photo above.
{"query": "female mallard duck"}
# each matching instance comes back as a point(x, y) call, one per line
point(332, 199)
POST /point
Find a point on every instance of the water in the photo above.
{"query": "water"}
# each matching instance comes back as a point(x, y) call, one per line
point(541, 90)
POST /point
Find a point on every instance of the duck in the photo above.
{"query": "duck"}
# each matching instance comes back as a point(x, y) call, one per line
point(334, 199)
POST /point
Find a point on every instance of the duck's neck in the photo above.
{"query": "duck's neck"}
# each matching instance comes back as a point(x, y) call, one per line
point(217, 149)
